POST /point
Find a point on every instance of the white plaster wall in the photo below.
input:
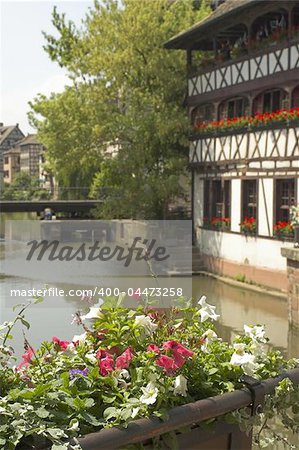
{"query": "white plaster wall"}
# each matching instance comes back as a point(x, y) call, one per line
point(198, 199)
point(265, 207)
point(259, 252)
point(235, 205)
point(298, 191)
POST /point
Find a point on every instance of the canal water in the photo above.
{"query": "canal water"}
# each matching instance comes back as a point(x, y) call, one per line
point(236, 305)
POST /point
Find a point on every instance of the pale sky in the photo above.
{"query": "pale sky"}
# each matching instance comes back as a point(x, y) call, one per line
point(25, 67)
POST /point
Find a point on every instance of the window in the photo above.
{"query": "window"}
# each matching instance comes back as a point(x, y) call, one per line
point(295, 97)
point(203, 113)
point(6, 160)
point(235, 107)
point(217, 202)
point(269, 101)
point(285, 197)
point(6, 174)
point(249, 195)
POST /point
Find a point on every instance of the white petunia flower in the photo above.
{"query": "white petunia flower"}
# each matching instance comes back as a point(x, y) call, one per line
point(256, 333)
point(244, 359)
point(71, 348)
point(180, 386)
point(257, 348)
point(146, 323)
point(91, 357)
point(135, 411)
point(207, 311)
point(95, 312)
point(80, 338)
point(74, 425)
point(124, 373)
point(208, 337)
point(150, 392)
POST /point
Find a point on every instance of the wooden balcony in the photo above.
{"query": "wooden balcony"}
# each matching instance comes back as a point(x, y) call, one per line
point(278, 61)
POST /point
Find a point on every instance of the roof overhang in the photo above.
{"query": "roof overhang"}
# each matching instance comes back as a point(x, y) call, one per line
point(200, 35)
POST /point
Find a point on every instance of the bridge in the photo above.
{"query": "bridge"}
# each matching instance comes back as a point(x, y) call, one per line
point(55, 205)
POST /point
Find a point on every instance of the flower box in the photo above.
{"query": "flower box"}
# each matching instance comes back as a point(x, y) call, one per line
point(217, 223)
point(222, 436)
point(143, 376)
point(283, 230)
point(248, 226)
point(276, 119)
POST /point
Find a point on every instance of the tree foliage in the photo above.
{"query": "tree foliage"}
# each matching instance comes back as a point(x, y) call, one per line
point(127, 92)
point(24, 187)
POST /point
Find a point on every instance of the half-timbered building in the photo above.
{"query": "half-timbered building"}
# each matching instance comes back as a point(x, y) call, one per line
point(243, 102)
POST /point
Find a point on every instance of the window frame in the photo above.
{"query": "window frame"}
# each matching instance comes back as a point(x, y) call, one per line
point(224, 107)
point(246, 193)
point(277, 182)
point(220, 190)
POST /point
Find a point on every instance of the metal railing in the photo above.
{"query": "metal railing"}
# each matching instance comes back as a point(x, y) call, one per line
point(186, 415)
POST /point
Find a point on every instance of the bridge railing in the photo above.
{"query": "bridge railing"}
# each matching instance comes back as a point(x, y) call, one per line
point(60, 193)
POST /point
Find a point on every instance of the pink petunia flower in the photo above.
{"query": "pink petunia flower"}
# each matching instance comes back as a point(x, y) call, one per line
point(27, 358)
point(101, 354)
point(167, 363)
point(106, 365)
point(61, 344)
point(177, 348)
point(123, 361)
point(153, 348)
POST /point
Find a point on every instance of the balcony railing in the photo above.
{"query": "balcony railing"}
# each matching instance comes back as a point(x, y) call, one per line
point(278, 57)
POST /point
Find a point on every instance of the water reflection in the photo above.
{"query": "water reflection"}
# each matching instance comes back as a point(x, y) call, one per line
point(235, 306)
point(242, 306)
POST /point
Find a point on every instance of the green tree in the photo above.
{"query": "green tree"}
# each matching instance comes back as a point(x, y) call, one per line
point(24, 187)
point(127, 92)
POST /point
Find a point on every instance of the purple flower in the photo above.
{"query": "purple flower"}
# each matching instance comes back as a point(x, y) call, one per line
point(75, 372)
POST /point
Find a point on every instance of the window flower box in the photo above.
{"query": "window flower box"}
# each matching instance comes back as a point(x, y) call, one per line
point(220, 223)
point(259, 120)
point(143, 376)
point(248, 226)
point(217, 223)
point(283, 230)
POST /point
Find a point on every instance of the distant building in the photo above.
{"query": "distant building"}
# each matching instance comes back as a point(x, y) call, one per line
point(11, 164)
point(30, 150)
point(27, 155)
point(9, 136)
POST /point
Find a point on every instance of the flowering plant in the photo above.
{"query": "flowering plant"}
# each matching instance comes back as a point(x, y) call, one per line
point(248, 225)
point(283, 229)
point(267, 118)
point(126, 364)
point(220, 223)
point(294, 215)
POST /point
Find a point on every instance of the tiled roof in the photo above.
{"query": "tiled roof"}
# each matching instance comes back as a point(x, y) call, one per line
point(29, 139)
point(5, 132)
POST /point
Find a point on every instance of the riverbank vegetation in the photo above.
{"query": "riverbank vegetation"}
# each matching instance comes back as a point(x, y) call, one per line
point(121, 124)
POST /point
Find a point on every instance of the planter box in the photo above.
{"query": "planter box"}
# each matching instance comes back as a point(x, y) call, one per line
point(222, 436)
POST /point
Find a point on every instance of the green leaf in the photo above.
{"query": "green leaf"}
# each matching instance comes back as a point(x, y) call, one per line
point(42, 413)
point(110, 412)
point(25, 323)
point(108, 398)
